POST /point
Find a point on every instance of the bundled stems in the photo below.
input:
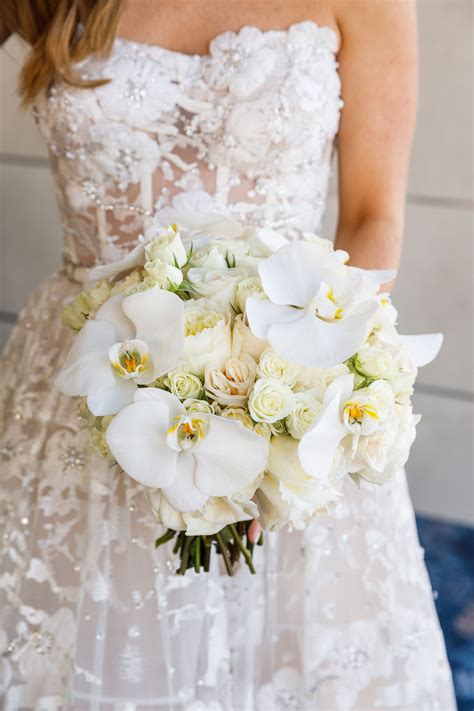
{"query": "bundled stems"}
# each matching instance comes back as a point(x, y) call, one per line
point(225, 553)
point(195, 551)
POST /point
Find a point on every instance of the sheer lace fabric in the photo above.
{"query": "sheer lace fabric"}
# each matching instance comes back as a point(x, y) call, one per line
point(92, 617)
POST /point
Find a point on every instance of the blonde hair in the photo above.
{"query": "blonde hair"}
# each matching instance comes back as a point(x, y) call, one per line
point(50, 27)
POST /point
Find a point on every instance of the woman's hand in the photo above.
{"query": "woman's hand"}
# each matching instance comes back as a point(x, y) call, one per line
point(254, 531)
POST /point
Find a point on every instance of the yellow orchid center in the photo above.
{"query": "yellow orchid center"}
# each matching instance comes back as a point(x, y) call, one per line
point(338, 314)
point(327, 307)
point(356, 411)
point(129, 359)
point(130, 364)
point(187, 430)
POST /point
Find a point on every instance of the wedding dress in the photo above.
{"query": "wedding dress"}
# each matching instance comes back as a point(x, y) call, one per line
point(340, 616)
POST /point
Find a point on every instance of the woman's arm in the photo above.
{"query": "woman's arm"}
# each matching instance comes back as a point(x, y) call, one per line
point(378, 68)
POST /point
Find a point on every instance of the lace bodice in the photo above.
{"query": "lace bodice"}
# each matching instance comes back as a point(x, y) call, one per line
point(247, 130)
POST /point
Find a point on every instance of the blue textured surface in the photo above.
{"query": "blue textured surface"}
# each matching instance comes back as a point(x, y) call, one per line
point(449, 555)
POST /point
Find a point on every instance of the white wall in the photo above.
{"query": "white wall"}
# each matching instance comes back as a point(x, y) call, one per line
point(434, 290)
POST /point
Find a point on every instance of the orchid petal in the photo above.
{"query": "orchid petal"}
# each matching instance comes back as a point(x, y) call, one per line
point(318, 445)
point(108, 271)
point(159, 319)
point(321, 344)
point(137, 439)
point(111, 310)
point(262, 314)
point(374, 277)
point(267, 241)
point(342, 386)
point(183, 494)
point(208, 223)
point(87, 366)
point(175, 407)
point(423, 348)
point(217, 473)
point(110, 400)
point(291, 275)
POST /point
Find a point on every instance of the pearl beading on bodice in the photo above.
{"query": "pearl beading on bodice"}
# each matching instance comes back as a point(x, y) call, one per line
point(247, 130)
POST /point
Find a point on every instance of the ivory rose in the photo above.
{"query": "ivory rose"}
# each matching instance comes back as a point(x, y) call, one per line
point(232, 383)
point(207, 334)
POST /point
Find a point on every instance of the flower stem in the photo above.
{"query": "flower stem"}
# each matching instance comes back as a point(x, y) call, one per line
point(178, 542)
point(243, 549)
point(168, 536)
point(197, 554)
point(225, 553)
point(185, 555)
point(207, 553)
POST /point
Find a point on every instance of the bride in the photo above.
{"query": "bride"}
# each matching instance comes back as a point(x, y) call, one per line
point(234, 107)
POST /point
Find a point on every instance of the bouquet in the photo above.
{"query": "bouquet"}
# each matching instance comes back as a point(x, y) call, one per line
point(240, 376)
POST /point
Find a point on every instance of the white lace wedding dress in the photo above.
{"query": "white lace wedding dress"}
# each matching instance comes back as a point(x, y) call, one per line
point(338, 617)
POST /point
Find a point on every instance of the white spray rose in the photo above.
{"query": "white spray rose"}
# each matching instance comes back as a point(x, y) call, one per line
point(208, 335)
point(184, 384)
point(402, 382)
point(383, 454)
point(251, 286)
point(208, 257)
point(240, 414)
point(307, 408)
point(287, 495)
point(402, 386)
point(264, 430)
point(271, 400)
point(319, 379)
point(376, 362)
point(163, 274)
point(193, 405)
point(217, 284)
point(373, 450)
point(271, 365)
point(167, 247)
point(232, 383)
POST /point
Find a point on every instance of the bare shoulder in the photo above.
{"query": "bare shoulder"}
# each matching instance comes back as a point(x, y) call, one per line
point(387, 20)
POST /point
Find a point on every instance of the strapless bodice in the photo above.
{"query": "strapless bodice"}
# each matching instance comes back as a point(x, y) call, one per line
point(247, 130)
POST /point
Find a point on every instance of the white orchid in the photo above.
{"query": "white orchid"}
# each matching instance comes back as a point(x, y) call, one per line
point(319, 309)
point(344, 413)
point(134, 258)
point(423, 348)
point(159, 444)
point(131, 342)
